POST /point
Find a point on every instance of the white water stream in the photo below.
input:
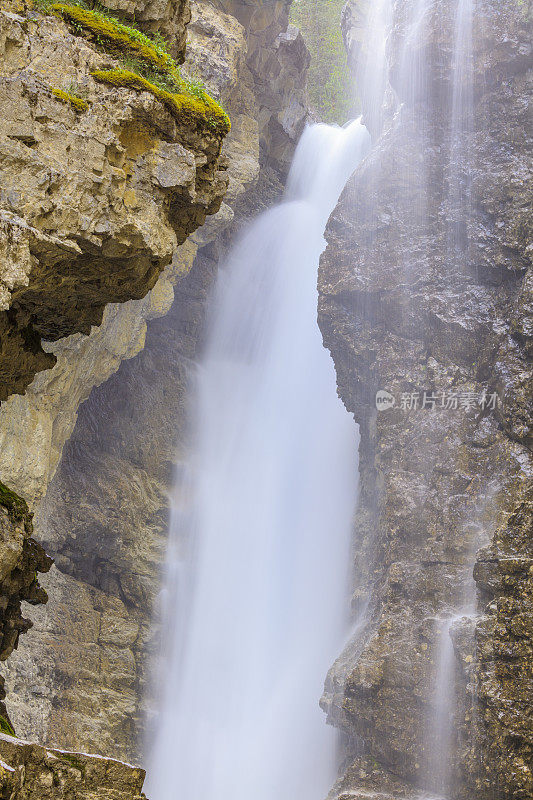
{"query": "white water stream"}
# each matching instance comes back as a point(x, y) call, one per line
point(256, 600)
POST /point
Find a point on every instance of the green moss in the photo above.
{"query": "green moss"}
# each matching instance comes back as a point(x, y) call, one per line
point(73, 761)
point(78, 103)
point(17, 508)
point(115, 36)
point(195, 111)
point(5, 727)
point(147, 65)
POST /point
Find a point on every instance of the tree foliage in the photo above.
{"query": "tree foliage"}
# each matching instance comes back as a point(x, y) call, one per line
point(331, 92)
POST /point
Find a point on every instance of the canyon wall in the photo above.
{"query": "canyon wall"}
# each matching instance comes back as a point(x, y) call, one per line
point(80, 679)
point(32, 772)
point(425, 293)
point(90, 213)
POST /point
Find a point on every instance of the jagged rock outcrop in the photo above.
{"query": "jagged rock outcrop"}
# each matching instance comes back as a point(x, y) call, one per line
point(100, 184)
point(95, 198)
point(425, 286)
point(105, 515)
point(21, 559)
point(167, 17)
point(29, 771)
point(277, 59)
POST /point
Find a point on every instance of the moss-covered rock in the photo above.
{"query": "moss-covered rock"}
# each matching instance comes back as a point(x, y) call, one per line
point(149, 67)
point(6, 727)
point(77, 103)
point(16, 507)
point(196, 112)
point(123, 40)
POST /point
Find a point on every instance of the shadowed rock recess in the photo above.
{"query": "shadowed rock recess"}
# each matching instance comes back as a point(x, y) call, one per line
point(131, 188)
point(445, 494)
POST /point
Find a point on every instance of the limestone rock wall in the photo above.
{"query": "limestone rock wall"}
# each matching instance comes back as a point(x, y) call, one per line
point(21, 559)
point(30, 772)
point(168, 17)
point(424, 288)
point(94, 200)
point(82, 679)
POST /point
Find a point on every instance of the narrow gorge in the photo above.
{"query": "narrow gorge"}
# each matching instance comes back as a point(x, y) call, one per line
point(259, 539)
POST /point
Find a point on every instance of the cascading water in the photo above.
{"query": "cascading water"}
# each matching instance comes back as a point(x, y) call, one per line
point(261, 593)
point(459, 176)
point(462, 106)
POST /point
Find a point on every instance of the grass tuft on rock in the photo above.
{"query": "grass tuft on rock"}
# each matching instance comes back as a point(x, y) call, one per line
point(147, 64)
point(194, 111)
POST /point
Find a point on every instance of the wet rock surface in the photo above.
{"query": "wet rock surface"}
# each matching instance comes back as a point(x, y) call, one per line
point(426, 288)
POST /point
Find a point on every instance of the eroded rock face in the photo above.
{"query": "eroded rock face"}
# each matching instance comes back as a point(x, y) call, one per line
point(35, 427)
point(105, 515)
point(21, 559)
point(93, 202)
point(426, 287)
point(168, 17)
point(31, 772)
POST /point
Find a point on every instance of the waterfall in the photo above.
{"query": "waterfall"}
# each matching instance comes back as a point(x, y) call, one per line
point(439, 770)
point(258, 552)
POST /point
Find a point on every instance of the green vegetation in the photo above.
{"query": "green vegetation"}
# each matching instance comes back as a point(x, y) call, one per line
point(183, 106)
point(5, 727)
point(77, 103)
point(147, 64)
point(116, 37)
point(73, 761)
point(16, 507)
point(331, 92)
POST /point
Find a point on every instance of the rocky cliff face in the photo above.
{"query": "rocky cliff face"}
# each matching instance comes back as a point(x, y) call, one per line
point(29, 771)
point(426, 293)
point(21, 559)
point(82, 679)
point(99, 186)
point(97, 190)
